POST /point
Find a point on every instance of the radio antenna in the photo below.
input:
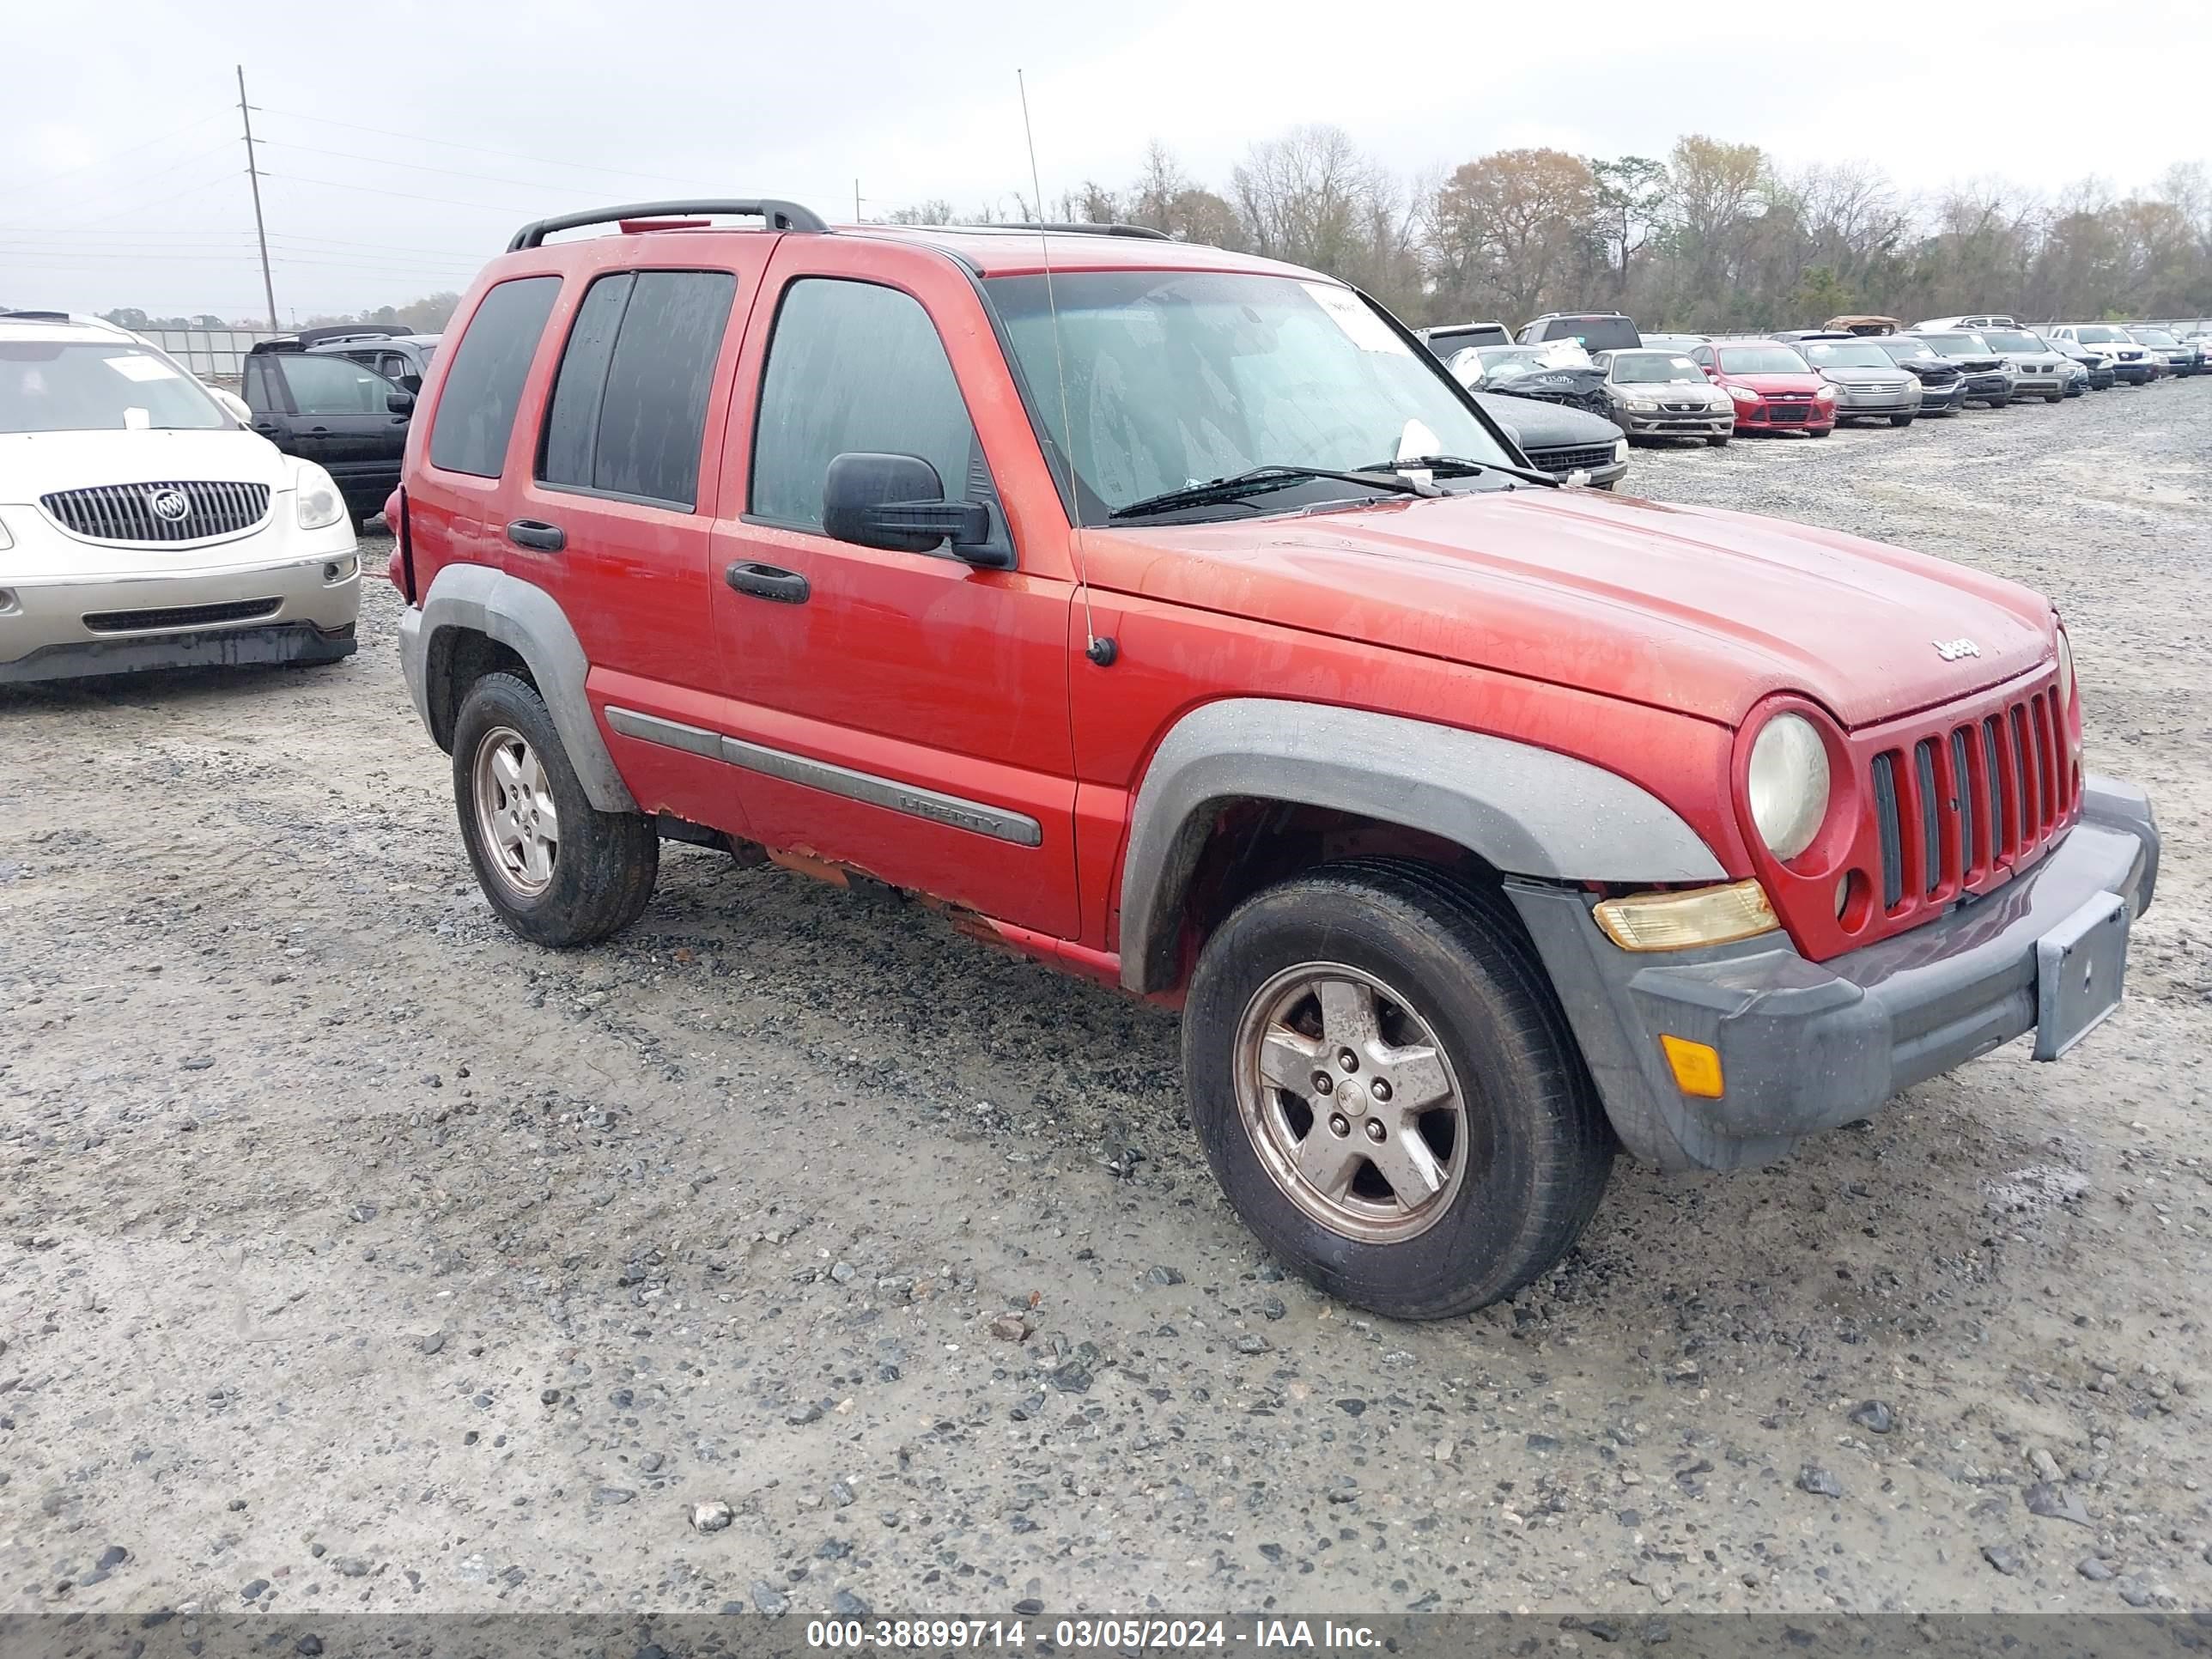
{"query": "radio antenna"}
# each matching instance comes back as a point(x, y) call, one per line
point(1100, 651)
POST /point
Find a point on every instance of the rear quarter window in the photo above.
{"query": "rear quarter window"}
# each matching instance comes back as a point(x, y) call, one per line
point(483, 383)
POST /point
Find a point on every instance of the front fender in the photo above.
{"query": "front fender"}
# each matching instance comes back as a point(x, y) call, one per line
point(1527, 811)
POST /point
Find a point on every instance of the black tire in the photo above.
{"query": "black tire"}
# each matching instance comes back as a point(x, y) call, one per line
point(1716, 443)
point(1900, 419)
point(605, 863)
point(2054, 397)
point(1820, 431)
point(1539, 1148)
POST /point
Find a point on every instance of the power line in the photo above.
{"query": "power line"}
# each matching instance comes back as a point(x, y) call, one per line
point(409, 195)
point(511, 154)
point(418, 166)
point(113, 156)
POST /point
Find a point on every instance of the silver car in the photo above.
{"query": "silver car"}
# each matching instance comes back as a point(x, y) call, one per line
point(2039, 370)
point(1663, 394)
point(1869, 384)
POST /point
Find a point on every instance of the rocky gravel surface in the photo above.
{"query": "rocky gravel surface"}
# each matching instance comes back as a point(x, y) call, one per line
point(794, 1253)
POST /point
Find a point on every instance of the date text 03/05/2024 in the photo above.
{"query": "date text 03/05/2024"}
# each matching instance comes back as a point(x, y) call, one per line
point(1077, 1635)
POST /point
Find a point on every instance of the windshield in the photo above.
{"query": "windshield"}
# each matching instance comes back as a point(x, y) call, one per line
point(2098, 334)
point(1653, 368)
point(1176, 377)
point(1959, 345)
point(2157, 336)
point(2006, 340)
point(1762, 360)
point(1909, 350)
point(99, 386)
point(1844, 353)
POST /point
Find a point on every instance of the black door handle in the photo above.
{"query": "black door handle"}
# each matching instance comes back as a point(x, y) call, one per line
point(532, 533)
point(768, 581)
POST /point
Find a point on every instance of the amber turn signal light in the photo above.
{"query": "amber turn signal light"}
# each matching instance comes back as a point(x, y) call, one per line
point(1696, 1066)
point(1675, 921)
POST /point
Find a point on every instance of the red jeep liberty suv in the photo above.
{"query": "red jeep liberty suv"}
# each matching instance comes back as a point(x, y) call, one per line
point(1173, 616)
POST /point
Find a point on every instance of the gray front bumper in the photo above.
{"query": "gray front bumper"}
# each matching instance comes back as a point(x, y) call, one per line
point(1806, 1046)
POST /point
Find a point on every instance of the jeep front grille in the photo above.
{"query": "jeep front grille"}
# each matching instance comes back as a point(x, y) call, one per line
point(1957, 806)
point(159, 512)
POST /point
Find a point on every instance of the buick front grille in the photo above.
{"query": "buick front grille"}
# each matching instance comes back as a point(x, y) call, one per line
point(1958, 806)
point(159, 512)
point(179, 616)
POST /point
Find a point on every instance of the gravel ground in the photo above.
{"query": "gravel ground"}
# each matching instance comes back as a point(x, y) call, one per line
point(360, 1255)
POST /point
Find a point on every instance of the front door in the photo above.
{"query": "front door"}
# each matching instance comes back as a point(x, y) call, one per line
point(904, 712)
point(340, 420)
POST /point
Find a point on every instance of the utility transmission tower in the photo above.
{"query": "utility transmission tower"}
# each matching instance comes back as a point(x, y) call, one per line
point(253, 177)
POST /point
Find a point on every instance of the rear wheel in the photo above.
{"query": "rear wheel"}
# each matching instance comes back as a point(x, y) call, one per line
point(558, 871)
point(1386, 1091)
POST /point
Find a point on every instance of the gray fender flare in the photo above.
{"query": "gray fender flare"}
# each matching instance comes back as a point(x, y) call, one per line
point(529, 621)
point(1528, 811)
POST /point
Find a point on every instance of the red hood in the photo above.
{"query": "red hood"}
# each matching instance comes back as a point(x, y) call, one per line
point(1683, 608)
point(1775, 386)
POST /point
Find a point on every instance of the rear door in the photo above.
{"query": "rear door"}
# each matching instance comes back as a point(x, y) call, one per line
point(612, 512)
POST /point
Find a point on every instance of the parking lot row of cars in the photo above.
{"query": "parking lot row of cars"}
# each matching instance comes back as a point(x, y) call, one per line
point(1600, 379)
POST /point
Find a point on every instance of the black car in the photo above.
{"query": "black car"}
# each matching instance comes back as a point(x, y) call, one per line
point(341, 415)
point(1942, 382)
point(1988, 380)
point(399, 356)
point(1555, 374)
point(1560, 441)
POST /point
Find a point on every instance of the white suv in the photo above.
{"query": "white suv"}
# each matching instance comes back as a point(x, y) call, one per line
point(142, 526)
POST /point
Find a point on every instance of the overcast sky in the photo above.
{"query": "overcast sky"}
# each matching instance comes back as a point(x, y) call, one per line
point(121, 167)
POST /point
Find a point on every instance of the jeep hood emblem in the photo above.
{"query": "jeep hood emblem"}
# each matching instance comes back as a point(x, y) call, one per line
point(1952, 650)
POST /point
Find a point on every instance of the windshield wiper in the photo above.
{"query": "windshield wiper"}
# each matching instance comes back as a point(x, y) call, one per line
point(1261, 479)
point(1460, 466)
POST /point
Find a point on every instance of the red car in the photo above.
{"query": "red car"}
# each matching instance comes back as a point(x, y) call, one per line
point(1775, 389)
point(1172, 616)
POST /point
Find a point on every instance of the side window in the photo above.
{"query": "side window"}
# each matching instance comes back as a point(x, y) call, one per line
point(853, 366)
point(484, 386)
point(260, 386)
point(1702, 356)
point(630, 404)
point(335, 386)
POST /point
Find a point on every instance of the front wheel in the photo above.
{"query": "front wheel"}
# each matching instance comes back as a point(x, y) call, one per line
point(558, 871)
point(1720, 442)
point(1900, 419)
point(1386, 1091)
point(1820, 432)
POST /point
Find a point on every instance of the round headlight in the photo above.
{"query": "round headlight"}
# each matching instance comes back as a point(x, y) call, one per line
point(2065, 673)
point(1789, 784)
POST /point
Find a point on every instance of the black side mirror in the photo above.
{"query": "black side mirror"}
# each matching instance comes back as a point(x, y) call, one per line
point(897, 502)
point(400, 403)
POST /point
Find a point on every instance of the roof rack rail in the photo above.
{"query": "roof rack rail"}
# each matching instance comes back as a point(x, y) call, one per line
point(1142, 233)
point(334, 332)
point(780, 216)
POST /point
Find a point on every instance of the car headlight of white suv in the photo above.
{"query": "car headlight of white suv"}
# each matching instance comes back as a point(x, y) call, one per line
point(316, 498)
